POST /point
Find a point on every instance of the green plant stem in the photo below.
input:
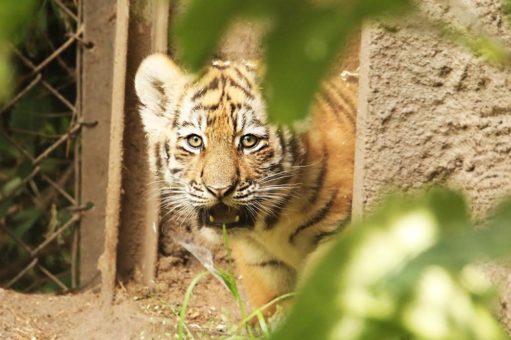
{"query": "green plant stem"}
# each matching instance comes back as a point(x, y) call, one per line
point(266, 306)
point(186, 300)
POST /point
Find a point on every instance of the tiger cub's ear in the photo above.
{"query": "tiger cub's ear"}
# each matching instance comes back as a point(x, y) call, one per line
point(157, 83)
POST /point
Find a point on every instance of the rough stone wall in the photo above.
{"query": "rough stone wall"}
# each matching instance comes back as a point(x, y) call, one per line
point(432, 112)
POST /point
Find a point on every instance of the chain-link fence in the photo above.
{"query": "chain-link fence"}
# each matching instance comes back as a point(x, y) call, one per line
point(39, 155)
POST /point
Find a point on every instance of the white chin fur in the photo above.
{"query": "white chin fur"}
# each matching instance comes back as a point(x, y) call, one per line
point(211, 235)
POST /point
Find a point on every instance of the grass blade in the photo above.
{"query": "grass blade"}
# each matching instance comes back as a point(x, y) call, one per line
point(186, 300)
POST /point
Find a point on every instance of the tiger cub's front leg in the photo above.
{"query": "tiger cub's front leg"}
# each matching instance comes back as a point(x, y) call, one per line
point(264, 278)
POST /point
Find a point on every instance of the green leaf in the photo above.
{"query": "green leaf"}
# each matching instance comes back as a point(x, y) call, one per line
point(11, 185)
point(300, 51)
point(6, 74)
point(200, 28)
point(491, 49)
point(14, 17)
point(230, 282)
point(304, 40)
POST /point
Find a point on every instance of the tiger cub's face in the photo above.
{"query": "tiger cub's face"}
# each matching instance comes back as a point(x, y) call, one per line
point(218, 159)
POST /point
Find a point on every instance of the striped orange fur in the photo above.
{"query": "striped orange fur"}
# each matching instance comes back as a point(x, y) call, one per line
point(280, 191)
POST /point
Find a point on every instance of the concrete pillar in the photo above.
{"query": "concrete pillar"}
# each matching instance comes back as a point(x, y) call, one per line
point(433, 112)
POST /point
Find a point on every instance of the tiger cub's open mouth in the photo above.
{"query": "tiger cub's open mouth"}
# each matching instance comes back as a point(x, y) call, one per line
point(221, 214)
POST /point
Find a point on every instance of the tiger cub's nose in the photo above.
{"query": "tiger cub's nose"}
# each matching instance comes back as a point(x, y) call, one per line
point(220, 192)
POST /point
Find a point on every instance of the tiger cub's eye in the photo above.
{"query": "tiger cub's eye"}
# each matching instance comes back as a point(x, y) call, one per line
point(249, 141)
point(194, 141)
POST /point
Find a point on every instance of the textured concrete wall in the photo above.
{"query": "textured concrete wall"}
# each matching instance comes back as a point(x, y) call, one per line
point(432, 112)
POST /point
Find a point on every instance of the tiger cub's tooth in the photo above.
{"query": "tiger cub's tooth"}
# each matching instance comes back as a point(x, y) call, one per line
point(237, 218)
point(211, 218)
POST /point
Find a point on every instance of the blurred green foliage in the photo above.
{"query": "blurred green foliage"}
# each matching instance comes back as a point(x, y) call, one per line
point(408, 271)
point(304, 39)
point(30, 208)
point(14, 16)
point(405, 272)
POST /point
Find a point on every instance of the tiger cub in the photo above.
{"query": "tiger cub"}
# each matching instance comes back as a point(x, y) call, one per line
point(280, 192)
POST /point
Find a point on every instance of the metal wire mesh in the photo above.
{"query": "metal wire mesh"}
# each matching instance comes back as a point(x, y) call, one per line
point(39, 155)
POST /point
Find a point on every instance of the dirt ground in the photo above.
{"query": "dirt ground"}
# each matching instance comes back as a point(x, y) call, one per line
point(143, 313)
point(138, 312)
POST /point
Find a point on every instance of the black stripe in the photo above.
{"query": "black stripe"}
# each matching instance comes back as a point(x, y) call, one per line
point(337, 106)
point(255, 121)
point(267, 263)
point(351, 107)
point(320, 180)
point(167, 150)
point(223, 94)
point(212, 85)
point(273, 263)
point(294, 149)
point(194, 195)
point(282, 142)
point(213, 107)
point(234, 116)
point(339, 227)
point(247, 107)
point(185, 150)
point(243, 120)
point(243, 196)
point(274, 217)
point(244, 186)
point(181, 157)
point(320, 236)
point(334, 106)
point(347, 100)
point(185, 124)
point(269, 155)
point(176, 116)
point(318, 217)
point(212, 119)
point(237, 85)
point(199, 94)
point(243, 77)
point(277, 167)
point(157, 155)
point(177, 111)
point(175, 171)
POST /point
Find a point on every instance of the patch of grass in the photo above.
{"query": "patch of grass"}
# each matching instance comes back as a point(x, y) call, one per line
point(258, 313)
point(181, 326)
point(243, 329)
